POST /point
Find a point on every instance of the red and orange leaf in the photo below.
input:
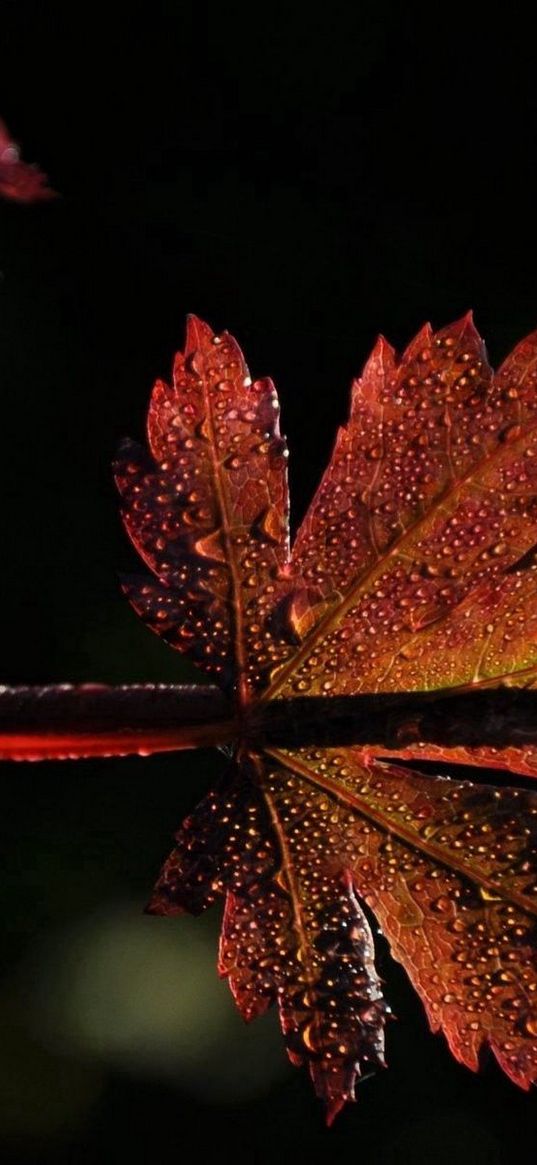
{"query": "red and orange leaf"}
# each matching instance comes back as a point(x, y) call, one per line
point(450, 871)
point(20, 181)
point(208, 512)
point(413, 571)
point(293, 929)
point(489, 638)
point(313, 953)
point(430, 494)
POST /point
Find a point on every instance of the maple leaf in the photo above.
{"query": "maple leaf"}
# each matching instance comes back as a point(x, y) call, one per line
point(412, 570)
point(411, 588)
point(20, 181)
point(208, 512)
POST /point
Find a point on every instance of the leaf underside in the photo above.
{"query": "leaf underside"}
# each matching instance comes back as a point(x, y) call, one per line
point(413, 569)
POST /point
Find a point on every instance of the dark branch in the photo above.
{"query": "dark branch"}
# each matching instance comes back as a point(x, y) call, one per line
point(81, 720)
point(95, 720)
point(493, 717)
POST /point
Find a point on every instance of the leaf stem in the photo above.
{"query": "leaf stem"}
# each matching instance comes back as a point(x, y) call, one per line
point(76, 720)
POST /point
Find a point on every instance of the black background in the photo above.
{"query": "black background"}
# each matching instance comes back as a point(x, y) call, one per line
point(306, 179)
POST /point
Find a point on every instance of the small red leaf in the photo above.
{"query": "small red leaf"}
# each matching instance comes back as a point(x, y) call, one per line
point(19, 181)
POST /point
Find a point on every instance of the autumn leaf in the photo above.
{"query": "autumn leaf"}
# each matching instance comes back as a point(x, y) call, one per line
point(448, 868)
point(19, 180)
point(413, 573)
point(208, 512)
point(412, 570)
point(426, 509)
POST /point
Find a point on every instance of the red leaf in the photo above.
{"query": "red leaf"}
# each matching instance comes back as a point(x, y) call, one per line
point(208, 512)
point(19, 181)
point(449, 869)
point(428, 501)
point(293, 929)
point(412, 570)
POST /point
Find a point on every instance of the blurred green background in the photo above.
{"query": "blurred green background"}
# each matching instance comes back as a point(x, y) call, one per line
point(306, 181)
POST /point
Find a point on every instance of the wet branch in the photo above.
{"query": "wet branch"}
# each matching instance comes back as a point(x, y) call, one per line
point(68, 721)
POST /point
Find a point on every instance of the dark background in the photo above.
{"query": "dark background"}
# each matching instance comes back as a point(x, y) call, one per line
point(304, 179)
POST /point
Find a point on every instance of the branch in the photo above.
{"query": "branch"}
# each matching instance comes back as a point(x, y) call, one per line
point(491, 717)
point(70, 721)
point(77, 720)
